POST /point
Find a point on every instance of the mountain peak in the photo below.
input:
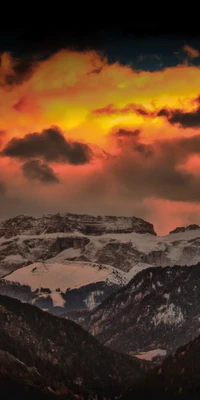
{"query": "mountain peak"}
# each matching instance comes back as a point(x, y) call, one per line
point(185, 228)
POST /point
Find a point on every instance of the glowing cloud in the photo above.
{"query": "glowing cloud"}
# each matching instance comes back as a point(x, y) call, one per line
point(107, 131)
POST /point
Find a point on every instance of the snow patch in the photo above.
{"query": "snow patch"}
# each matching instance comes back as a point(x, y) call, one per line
point(91, 301)
point(66, 275)
point(169, 315)
point(166, 296)
point(149, 355)
point(57, 299)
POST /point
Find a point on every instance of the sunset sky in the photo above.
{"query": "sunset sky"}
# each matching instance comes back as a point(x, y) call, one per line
point(110, 127)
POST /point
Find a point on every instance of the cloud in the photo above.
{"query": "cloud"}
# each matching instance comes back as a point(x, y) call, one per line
point(15, 71)
point(2, 188)
point(185, 119)
point(163, 113)
point(95, 71)
point(111, 109)
point(125, 133)
point(189, 119)
point(62, 91)
point(2, 135)
point(19, 106)
point(155, 169)
point(50, 145)
point(191, 52)
point(37, 170)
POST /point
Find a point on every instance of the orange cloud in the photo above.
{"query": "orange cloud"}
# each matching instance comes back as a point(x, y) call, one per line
point(91, 100)
point(62, 91)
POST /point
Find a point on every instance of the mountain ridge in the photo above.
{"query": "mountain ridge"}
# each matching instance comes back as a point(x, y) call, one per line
point(158, 309)
point(61, 348)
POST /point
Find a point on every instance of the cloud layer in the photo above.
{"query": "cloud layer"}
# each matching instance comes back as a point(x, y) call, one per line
point(112, 139)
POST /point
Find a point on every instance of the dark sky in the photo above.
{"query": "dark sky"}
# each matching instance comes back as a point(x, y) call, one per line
point(148, 45)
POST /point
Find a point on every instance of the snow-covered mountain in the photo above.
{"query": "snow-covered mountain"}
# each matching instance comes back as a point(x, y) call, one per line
point(69, 245)
point(129, 244)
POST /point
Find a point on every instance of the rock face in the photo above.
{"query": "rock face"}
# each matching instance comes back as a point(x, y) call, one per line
point(129, 244)
point(185, 229)
point(25, 239)
point(68, 223)
point(63, 353)
point(158, 309)
point(176, 378)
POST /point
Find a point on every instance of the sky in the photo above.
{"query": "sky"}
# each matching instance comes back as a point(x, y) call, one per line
point(101, 121)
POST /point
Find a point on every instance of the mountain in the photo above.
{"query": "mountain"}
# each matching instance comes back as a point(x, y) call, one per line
point(25, 240)
point(127, 243)
point(59, 276)
point(101, 254)
point(18, 380)
point(63, 353)
point(178, 377)
point(154, 314)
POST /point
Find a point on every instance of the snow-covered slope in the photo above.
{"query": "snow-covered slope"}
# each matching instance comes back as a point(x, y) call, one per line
point(130, 252)
point(70, 275)
point(57, 285)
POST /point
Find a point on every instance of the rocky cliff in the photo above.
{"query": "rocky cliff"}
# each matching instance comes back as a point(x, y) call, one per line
point(68, 223)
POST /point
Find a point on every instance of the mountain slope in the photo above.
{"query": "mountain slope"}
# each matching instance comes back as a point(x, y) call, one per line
point(61, 287)
point(158, 309)
point(16, 379)
point(61, 349)
point(178, 377)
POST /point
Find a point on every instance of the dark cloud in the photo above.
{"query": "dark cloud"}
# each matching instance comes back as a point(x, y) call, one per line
point(185, 119)
point(37, 170)
point(21, 70)
point(146, 149)
point(111, 109)
point(163, 113)
point(123, 133)
point(138, 109)
point(51, 146)
point(156, 170)
point(95, 71)
point(189, 119)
